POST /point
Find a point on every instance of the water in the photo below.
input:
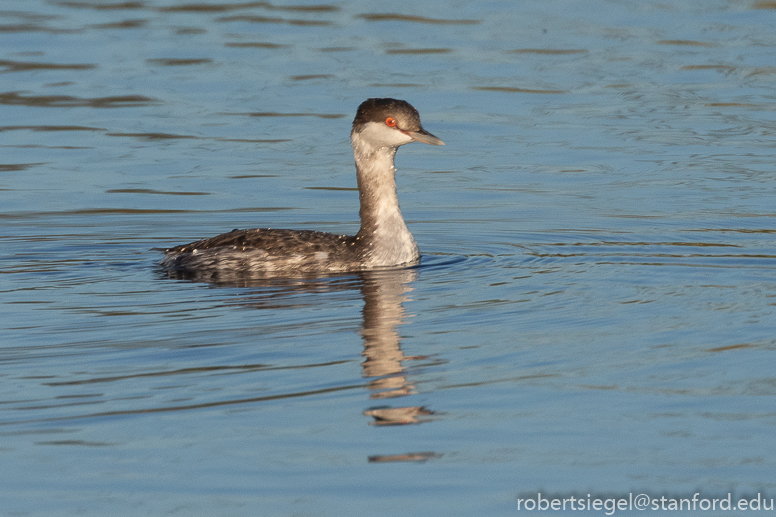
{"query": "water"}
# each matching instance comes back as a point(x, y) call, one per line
point(595, 309)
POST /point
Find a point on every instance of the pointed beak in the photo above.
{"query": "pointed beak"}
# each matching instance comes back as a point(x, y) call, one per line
point(424, 136)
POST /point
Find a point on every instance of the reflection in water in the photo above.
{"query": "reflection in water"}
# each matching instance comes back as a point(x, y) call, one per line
point(410, 456)
point(384, 292)
point(398, 416)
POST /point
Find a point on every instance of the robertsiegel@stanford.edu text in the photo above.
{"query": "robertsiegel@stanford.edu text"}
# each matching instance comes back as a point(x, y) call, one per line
point(609, 505)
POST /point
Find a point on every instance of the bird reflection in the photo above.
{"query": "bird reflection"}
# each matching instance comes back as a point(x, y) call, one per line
point(384, 292)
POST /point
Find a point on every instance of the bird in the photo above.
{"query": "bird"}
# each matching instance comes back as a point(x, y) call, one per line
point(380, 127)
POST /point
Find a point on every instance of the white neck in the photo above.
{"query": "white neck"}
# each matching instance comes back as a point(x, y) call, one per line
point(387, 238)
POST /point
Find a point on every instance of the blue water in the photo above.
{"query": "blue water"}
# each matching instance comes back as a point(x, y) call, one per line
point(594, 311)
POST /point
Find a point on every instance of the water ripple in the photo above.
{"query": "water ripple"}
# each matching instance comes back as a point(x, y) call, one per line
point(69, 101)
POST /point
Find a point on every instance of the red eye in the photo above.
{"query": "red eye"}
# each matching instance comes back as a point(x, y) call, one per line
point(390, 122)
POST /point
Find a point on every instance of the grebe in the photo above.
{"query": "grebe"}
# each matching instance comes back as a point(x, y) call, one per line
point(380, 127)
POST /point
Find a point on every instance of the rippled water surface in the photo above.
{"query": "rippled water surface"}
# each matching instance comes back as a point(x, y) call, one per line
point(594, 312)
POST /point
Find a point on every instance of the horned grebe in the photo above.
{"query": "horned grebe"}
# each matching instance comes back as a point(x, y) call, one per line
point(380, 127)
